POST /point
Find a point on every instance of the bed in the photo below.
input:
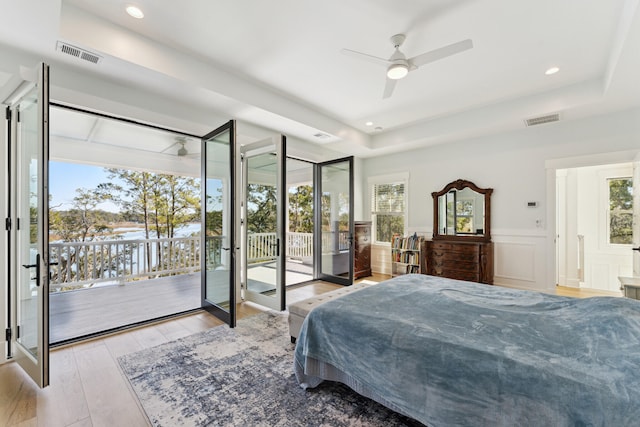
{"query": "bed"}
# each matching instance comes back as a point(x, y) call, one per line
point(448, 352)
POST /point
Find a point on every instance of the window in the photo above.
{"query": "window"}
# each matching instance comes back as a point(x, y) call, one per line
point(464, 216)
point(388, 210)
point(620, 216)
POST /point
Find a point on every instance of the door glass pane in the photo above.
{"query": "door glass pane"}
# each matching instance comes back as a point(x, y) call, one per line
point(620, 211)
point(262, 223)
point(335, 216)
point(299, 228)
point(218, 221)
point(27, 239)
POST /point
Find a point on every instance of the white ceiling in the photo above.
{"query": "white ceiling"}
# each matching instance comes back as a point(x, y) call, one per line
point(279, 65)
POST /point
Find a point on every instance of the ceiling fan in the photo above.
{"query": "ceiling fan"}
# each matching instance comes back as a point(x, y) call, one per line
point(398, 65)
point(182, 151)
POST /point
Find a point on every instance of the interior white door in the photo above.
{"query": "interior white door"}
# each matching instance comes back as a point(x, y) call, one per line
point(29, 224)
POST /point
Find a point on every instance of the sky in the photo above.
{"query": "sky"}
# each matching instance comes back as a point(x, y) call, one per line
point(65, 178)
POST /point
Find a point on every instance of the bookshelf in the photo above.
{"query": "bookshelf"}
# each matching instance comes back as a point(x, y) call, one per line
point(405, 254)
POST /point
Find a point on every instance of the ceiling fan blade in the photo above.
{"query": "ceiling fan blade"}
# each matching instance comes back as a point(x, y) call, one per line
point(440, 53)
point(366, 57)
point(388, 88)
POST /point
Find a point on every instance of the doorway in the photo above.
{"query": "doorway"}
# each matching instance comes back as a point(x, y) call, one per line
point(594, 225)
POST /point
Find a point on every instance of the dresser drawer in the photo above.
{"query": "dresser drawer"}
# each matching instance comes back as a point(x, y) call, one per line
point(456, 265)
point(441, 255)
point(467, 248)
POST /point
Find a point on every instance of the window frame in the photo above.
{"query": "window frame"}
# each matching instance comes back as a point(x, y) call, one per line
point(400, 178)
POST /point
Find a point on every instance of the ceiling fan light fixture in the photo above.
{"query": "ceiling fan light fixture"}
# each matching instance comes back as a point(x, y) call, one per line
point(397, 71)
point(135, 12)
point(552, 70)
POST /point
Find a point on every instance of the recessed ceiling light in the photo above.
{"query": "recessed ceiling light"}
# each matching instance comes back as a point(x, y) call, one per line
point(552, 70)
point(135, 12)
point(369, 123)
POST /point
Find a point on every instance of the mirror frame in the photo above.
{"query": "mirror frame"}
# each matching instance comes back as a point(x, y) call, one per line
point(459, 185)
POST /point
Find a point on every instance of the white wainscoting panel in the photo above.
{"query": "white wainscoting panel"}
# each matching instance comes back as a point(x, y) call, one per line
point(381, 259)
point(519, 259)
point(515, 261)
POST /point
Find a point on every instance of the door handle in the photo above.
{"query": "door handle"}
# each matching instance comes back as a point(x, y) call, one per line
point(636, 249)
point(37, 267)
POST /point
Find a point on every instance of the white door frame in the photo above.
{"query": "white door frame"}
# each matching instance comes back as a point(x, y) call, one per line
point(551, 167)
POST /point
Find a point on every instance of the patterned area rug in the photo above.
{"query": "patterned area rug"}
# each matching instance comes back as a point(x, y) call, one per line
point(242, 377)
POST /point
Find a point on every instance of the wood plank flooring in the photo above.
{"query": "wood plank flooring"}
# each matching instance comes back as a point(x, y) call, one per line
point(87, 386)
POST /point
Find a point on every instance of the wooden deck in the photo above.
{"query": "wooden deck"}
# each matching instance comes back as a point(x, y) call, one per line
point(87, 311)
point(75, 314)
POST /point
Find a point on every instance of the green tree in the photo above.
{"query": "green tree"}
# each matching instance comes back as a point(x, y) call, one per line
point(261, 208)
point(301, 209)
point(83, 222)
point(164, 203)
point(621, 211)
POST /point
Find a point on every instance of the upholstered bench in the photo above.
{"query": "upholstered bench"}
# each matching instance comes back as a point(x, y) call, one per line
point(298, 311)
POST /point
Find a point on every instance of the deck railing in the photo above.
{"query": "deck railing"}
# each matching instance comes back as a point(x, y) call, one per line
point(83, 264)
point(117, 261)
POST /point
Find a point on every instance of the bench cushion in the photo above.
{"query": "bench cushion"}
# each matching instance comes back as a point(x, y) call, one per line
point(298, 311)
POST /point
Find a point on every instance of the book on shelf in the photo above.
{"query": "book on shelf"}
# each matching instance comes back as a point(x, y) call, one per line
point(406, 242)
point(405, 254)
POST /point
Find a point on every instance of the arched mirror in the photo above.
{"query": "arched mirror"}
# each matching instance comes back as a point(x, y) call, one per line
point(462, 211)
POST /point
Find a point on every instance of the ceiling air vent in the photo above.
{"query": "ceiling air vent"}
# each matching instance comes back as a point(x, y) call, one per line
point(78, 52)
point(542, 119)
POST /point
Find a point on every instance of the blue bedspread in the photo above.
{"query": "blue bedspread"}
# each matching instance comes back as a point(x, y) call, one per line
point(453, 353)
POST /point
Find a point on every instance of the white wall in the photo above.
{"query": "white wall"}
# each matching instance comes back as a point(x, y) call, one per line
point(514, 165)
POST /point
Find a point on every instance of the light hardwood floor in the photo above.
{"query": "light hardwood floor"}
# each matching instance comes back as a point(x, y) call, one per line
point(87, 386)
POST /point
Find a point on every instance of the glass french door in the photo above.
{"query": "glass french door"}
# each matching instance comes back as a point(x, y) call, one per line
point(263, 213)
point(334, 220)
point(218, 259)
point(28, 108)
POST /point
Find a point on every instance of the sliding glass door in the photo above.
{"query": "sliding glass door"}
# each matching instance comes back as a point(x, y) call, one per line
point(28, 225)
point(218, 256)
point(334, 220)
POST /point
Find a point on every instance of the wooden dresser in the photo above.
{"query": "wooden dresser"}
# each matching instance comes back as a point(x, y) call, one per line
point(472, 261)
point(461, 247)
point(362, 249)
